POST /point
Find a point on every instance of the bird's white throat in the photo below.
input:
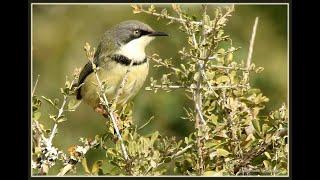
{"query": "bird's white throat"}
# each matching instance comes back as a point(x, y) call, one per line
point(135, 49)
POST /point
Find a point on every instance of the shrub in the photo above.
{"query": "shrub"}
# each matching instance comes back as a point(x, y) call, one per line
point(230, 135)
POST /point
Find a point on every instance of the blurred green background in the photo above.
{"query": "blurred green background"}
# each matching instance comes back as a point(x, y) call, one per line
point(60, 31)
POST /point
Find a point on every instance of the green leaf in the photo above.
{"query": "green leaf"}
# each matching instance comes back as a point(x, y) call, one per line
point(85, 165)
point(213, 119)
point(221, 51)
point(136, 9)
point(253, 91)
point(208, 173)
point(210, 74)
point(53, 117)
point(73, 104)
point(153, 164)
point(48, 100)
point(152, 8)
point(266, 164)
point(183, 67)
point(96, 166)
point(259, 69)
point(222, 79)
point(206, 20)
point(267, 154)
point(265, 129)
point(256, 125)
point(61, 119)
point(222, 152)
point(209, 144)
point(37, 150)
point(36, 115)
point(186, 140)
point(164, 12)
point(229, 57)
point(64, 91)
point(196, 76)
point(212, 173)
point(154, 136)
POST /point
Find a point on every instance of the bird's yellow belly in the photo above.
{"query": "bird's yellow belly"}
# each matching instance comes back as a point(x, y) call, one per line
point(112, 74)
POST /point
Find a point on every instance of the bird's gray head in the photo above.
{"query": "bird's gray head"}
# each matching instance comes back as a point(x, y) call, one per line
point(133, 36)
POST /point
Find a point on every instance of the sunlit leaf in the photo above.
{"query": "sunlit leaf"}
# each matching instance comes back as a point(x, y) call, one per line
point(256, 125)
point(48, 100)
point(96, 166)
point(222, 152)
point(85, 165)
point(73, 104)
point(36, 115)
point(222, 79)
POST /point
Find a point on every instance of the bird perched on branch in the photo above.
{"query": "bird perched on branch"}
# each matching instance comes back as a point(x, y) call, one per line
point(121, 50)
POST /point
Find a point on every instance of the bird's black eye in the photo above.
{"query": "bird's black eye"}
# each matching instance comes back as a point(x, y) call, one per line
point(137, 33)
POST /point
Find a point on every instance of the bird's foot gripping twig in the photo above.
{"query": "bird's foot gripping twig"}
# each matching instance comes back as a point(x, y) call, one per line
point(101, 110)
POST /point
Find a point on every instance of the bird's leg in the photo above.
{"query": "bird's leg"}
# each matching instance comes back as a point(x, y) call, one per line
point(100, 109)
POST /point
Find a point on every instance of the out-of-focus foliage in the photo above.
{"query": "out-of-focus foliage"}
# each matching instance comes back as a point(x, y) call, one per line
point(239, 137)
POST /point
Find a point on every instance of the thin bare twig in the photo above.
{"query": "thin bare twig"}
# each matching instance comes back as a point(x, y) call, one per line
point(180, 20)
point(122, 84)
point(54, 130)
point(249, 58)
point(197, 98)
point(39, 131)
point(193, 88)
point(48, 141)
point(228, 13)
point(208, 83)
point(77, 156)
point(198, 110)
point(199, 117)
point(145, 124)
point(228, 67)
point(253, 35)
point(169, 66)
point(35, 85)
point(65, 169)
point(61, 110)
point(168, 86)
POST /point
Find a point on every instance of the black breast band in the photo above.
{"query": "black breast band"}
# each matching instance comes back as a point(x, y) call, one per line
point(126, 61)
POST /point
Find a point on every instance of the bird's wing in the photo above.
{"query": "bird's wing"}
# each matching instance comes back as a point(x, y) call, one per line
point(87, 70)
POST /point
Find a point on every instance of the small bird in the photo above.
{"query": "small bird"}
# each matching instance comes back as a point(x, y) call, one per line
point(121, 48)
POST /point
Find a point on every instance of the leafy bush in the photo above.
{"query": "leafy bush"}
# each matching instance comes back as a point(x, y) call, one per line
point(230, 136)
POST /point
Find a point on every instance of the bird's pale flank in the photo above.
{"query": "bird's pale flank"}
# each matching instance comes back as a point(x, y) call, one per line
point(121, 48)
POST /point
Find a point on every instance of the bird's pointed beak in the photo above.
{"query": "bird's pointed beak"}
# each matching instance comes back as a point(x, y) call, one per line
point(158, 34)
